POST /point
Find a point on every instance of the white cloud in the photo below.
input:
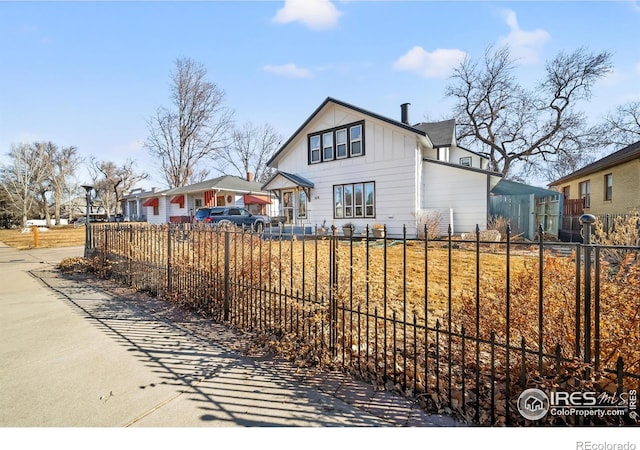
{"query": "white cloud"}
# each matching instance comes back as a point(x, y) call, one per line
point(288, 70)
point(135, 146)
point(315, 14)
point(526, 46)
point(436, 64)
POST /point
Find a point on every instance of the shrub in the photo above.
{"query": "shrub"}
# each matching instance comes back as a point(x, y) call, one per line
point(625, 232)
point(499, 224)
point(429, 221)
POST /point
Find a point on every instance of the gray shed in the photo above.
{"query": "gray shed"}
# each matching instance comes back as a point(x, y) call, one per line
point(526, 207)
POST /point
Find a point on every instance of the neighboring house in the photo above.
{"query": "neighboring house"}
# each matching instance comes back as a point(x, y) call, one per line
point(132, 204)
point(608, 186)
point(178, 205)
point(345, 164)
point(77, 207)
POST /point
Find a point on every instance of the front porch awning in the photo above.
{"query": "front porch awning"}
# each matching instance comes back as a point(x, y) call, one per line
point(250, 199)
point(152, 202)
point(284, 180)
point(179, 200)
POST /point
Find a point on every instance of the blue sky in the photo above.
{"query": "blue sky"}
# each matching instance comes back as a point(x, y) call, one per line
point(89, 74)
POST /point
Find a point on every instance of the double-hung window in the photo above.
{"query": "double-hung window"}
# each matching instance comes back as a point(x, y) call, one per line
point(355, 138)
point(314, 149)
point(354, 200)
point(327, 146)
point(341, 143)
point(346, 141)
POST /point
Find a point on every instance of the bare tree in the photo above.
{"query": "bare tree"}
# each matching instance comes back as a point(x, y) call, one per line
point(22, 176)
point(64, 162)
point(622, 127)
point(45, 152)
point(194, 128)
point(250, 149)
point(112, 181)
point(514, 126)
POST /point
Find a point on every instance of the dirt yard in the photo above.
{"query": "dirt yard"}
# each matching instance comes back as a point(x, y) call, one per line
point(63, 236)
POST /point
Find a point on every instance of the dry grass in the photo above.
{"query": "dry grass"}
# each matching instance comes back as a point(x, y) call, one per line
point(63, 236)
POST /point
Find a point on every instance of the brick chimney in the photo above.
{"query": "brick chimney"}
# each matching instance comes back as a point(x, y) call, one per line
point(249, 176)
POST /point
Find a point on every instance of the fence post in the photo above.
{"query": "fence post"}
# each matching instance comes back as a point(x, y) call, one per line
point(226, 275)
point(169, 274)
point(587, 221)
point(333, 281)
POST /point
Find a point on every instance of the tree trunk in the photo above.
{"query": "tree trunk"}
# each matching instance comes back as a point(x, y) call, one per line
point(57, 214)
point(45, 209)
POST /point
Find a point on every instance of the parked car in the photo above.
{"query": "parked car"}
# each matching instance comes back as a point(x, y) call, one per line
point(221, 215)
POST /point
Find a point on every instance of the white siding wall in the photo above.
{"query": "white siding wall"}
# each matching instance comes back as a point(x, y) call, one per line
point(389, 161)
point(456, 153)
point(463, 191)
point(175, 210)
point(162, 213)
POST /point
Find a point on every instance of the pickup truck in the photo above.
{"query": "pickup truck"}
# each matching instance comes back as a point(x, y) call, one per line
point(231, 214)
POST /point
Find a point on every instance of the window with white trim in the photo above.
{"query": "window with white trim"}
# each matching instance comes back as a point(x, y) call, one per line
point(302, 204)
point(327, 146)
point(355, 140)
point(341, 143)
point(337, 143)
point(314, 149)
point(354, 200)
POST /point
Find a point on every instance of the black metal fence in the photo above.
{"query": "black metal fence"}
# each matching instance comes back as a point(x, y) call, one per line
point(464, 326)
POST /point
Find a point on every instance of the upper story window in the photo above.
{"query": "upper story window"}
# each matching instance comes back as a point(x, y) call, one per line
point(585, 193)
point(314, 149)
point(465, 161)
point(355, 134)
point(443, 154)
point(337, 143)
point(608, 187)
point(327, 146)
point(341, 143)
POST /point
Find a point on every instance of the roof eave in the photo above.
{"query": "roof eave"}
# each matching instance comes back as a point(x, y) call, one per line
point(344, 105)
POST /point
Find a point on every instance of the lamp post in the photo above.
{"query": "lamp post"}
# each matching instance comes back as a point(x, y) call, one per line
point(87, 238)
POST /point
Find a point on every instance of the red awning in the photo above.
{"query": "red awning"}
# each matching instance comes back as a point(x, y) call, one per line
point(179, 199)
point(152, 202)
point(256, 200)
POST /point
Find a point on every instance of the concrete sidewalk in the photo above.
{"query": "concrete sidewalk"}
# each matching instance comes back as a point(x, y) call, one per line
point(77, 355)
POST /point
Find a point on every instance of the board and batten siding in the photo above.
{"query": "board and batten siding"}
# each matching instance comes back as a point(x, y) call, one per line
point(389, 161)
point(464, 192)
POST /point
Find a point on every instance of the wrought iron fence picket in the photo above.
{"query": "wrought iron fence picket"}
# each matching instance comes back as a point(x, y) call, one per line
point(238, 277)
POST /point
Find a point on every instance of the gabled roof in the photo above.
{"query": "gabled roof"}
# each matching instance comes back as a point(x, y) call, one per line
point(225, 182)
point(354, 108)
point(440, 133)
point(627, 154)
point(295, 179)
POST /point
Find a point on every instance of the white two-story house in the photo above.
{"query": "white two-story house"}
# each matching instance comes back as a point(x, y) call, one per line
point(348, 165)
